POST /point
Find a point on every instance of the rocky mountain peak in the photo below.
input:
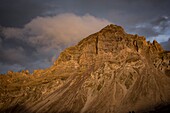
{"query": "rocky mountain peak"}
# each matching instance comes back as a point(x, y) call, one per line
point(110, 30)
point(105, 44)
point(113, 28)
point(110, 71)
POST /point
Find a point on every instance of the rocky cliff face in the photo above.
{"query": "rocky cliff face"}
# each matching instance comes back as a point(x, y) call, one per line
point(107, 72)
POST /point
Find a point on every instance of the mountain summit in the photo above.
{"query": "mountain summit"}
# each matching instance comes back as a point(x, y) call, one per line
point(107, 72)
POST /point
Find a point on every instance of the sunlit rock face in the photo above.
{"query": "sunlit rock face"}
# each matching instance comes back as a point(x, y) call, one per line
point(107, 72)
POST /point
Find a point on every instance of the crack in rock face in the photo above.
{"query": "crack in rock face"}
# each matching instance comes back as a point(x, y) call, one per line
point(107, 72)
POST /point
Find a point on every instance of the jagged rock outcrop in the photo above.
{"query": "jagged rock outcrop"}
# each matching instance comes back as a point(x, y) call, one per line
point(107, 72)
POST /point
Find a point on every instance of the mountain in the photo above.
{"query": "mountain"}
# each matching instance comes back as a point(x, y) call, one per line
point(107, 72)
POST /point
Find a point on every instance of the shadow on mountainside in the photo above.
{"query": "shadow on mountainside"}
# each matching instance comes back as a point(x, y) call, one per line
point(161, 109)
point(22, 109)
point(16, 109)
point(157, 109)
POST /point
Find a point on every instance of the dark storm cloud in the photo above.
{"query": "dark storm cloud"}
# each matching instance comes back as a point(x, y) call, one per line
point(15, 51)
point(20, 12)
point(122, 12)
point(17, 54)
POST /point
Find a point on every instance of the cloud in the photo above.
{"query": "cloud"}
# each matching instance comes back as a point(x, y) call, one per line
point(63, 28)
point(166, 45)
point(157, 28)
point(12, 15)
point(6, 67)
point(161, 24)
point(122, 12)
point(41, 40)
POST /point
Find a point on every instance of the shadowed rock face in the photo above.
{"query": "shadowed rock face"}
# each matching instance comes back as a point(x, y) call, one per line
point(108, 72)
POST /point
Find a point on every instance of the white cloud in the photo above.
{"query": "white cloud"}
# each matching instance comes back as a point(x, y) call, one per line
point(160, 38)
point(63, 29)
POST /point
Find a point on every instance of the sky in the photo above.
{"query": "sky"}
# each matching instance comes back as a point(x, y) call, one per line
point(34, 32)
